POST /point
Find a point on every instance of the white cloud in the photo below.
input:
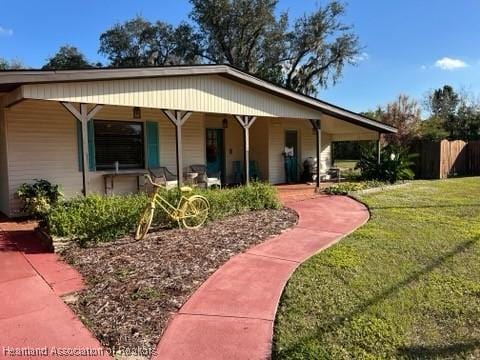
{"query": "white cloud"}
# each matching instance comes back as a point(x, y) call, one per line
point(447, 63)
point(362, 57)
point(423, 67)
point(5, 31)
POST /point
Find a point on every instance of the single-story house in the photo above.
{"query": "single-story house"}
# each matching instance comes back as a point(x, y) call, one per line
point(124, 121)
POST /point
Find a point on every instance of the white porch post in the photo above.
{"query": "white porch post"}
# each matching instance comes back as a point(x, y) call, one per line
point(178, 118)
point(84, 116)
point(246, 122)
point(317, 125)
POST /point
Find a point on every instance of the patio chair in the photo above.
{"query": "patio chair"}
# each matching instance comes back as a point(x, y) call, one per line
point(205, 177)
point(332, 174)
point(237, 172)
point(163, 176)
point(254, 170)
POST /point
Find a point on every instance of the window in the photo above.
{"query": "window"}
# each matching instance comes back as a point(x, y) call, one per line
point(120, 141)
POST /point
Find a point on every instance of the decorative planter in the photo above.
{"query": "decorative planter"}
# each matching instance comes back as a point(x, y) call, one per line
point(55, 243)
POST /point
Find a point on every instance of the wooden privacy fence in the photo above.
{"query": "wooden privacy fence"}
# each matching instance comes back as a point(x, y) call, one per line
point(442, 159)
point(473, 157)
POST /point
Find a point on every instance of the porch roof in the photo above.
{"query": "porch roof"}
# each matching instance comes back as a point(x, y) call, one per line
point(11, 81)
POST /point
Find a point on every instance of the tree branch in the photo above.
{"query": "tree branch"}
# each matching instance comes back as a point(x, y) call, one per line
point(299, 58)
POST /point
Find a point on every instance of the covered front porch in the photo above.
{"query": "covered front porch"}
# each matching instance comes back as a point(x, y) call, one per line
point(121, 123)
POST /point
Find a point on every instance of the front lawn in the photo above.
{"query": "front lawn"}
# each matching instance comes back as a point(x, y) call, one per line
point(405, 285)
point(345, 164)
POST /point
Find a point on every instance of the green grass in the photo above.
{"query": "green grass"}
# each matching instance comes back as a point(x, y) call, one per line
point(405, 285)
point(345, 164)
point(347, 168)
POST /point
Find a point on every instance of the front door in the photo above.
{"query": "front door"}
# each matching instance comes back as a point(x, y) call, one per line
point(215, 152)
point(291, 156)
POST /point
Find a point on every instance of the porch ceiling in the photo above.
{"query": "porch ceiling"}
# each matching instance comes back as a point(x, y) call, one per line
point(344, 131)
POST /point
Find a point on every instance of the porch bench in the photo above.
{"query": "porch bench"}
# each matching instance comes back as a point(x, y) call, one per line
point(109, 178)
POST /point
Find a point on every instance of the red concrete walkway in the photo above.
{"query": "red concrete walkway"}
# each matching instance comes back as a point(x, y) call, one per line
point(231, 315)
point(32, 315)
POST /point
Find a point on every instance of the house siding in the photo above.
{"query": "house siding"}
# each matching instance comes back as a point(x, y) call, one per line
point(201, 93)
point(42, 143)
point(306, 143)
point(259, 145)
point(4, 200)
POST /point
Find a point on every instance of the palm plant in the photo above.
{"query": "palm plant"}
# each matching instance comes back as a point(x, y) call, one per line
point(395, 164)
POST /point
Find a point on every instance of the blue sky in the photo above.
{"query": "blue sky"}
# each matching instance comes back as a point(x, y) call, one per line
point(410, 46)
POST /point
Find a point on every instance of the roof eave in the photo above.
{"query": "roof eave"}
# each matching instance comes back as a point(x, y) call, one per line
point(11, 79)
point(314, 103)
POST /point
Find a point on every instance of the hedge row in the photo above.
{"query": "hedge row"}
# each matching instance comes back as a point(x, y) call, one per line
point(105, 218)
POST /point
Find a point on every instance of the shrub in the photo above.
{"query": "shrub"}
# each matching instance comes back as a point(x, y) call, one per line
point(230, 201)
point(395, 164)
point(351, 175)
point(38, 198)
point(95, 217)
point(101, 218)
point(256, 196)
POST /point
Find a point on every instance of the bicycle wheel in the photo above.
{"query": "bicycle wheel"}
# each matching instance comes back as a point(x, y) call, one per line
point(195, 212)
point(145, 222)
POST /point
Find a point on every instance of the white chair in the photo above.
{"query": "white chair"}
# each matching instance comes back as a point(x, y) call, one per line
point(205, 178)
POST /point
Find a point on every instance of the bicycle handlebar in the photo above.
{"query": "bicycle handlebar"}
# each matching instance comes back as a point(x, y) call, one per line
point(150, 180)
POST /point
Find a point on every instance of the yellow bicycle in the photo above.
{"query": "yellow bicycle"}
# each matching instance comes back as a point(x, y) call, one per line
point(190, 211)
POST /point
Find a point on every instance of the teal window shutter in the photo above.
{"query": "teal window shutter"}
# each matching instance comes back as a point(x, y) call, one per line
point(153, 158)
point(91, 146)
point(79, 145)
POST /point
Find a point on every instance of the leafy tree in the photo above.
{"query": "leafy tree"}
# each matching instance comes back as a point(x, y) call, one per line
point(467, 122)
point(443, 104)
point(139, 42)
point(247, 34)
point(432, 129)
point(14, 64)
point(67, 57)
point(376, 114)
point(453, 115)
point(242, 33)
point(319, 46)
point(308, 53)
point(349, 150)
point(404, 114)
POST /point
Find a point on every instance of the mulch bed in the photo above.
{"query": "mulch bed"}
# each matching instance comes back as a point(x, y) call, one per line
point(135, 286)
